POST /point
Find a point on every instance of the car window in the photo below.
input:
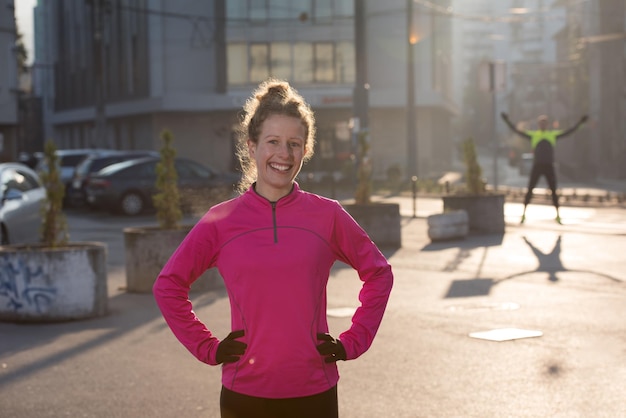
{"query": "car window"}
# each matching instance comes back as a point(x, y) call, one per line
point(84, 167)
point(18, 179)
point(72, 160)
point(144, 170)
point(190, 169)
point(99, 163)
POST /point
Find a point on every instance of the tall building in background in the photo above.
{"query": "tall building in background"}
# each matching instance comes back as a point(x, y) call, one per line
point(481, 37)
point(605, 46)
point(115, 73)
point(8, 82)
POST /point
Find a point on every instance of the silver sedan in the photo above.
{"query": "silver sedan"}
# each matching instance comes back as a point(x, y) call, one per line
point(22, 197)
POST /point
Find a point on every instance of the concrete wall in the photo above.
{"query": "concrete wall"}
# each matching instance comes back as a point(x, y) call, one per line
point(40, 284)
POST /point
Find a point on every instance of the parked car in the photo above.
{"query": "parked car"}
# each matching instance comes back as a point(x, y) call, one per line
point(94, 163)
point(526, 163)
point(23, 196)
point(68, 160)
point(127, 187)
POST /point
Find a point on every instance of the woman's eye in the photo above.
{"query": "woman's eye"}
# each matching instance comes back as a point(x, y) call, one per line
point(296, 145)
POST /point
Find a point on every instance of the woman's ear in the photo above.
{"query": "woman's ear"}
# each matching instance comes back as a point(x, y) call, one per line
point(251, 148)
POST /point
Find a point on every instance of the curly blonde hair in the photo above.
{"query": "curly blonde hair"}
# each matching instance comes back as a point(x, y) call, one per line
point(271, 97)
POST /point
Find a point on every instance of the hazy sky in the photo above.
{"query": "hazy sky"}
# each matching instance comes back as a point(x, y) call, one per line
point(24, 18)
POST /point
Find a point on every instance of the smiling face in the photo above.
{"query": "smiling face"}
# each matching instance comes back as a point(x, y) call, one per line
point(278, 154)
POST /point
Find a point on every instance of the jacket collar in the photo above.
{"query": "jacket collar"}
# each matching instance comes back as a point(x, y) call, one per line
point(251, 194)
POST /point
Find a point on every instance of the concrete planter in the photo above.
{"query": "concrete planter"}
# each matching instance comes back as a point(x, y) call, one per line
point(381, 221)
point(486, 212)
point(147, 251)
point(448, 225)
point(42, 284)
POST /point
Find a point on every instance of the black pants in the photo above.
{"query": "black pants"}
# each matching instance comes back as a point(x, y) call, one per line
point(236, 405)
point(538, 170)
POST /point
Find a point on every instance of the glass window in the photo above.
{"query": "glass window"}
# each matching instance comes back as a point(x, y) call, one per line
point(72, 160)
point(237, 63)
point(259, 62)
point(344, 8)
point(279, 9)
point(301, 6)
point(345, 62)
point(141, 171)
point(188, 170)
point(323, 11)
point(18, 180)
point(324, 68)
point(303, 62)
point(236, 12)
point(258, 11)
point(280, 63)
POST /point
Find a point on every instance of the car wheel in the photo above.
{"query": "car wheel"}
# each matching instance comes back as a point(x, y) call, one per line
point(132, 204)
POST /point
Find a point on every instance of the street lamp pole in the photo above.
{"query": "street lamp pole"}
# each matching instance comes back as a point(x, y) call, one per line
point(360, 97)
point(97, 16)
point(411, 131)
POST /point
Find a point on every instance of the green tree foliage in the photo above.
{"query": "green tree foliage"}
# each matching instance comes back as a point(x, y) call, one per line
point(363, 191)
point(54, 228)
point(167, 200)
point(473, 171)
point(21, 53)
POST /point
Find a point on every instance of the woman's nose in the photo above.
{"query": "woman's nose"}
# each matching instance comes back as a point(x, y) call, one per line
point(284, 149)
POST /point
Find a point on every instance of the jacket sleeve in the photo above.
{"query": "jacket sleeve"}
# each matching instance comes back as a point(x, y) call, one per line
point(171, 292)
point(354, 247)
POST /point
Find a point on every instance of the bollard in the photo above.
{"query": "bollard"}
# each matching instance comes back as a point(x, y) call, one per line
point(414, 185)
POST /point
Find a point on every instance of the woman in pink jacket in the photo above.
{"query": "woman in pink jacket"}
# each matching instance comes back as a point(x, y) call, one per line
point(275, 245)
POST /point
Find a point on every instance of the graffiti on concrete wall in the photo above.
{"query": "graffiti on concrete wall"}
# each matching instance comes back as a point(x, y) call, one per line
point(24, 287)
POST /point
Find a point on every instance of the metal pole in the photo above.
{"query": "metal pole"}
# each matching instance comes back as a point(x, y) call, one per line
point(411, 139)
point(98, 35)
point(360, 95)
point(414, 182)
point(494, 133)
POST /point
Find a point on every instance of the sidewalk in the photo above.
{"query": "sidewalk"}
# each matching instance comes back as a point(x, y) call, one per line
point(566, 281)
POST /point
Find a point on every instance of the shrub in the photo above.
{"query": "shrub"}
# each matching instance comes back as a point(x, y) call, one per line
point(54, 231)
point(473, 172)
point(167, 200)
point(363, 191)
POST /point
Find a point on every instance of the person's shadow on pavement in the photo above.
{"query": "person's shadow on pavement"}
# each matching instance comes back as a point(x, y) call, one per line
point(551, 263)
point(548, 262)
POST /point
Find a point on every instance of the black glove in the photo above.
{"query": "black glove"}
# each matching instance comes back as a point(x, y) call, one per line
point(229, 349)
point(331, 348)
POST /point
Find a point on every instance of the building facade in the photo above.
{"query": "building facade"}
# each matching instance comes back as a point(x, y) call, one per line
point(592, 52)
point(8, 82)
point(122, 71)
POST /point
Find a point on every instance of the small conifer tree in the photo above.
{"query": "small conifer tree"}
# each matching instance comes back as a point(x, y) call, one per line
point(363, 192)
point(167, 200)
point(54, 230)
point(473, 171)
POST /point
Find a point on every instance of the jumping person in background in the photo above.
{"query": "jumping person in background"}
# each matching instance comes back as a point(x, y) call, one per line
point(542, 142)
point(274, 246)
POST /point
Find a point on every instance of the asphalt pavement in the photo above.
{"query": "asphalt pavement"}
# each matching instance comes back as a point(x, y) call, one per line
point(525, 324)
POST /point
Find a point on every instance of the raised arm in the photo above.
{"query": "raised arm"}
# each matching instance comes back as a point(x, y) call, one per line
point(505, 117)
point(573, 128)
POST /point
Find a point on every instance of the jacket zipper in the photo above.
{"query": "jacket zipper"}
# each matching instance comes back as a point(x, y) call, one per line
point(274, 220)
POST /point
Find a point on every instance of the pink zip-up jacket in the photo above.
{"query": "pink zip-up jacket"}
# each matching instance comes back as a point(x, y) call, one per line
point(275, 259)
